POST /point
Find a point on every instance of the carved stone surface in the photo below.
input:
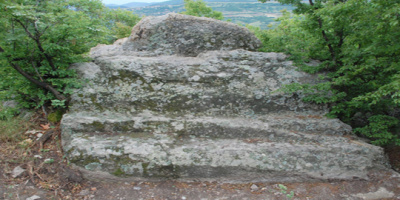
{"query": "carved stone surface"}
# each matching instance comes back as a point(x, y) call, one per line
point(214, 113)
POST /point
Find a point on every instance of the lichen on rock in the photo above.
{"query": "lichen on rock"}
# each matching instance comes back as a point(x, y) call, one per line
point(187, 97)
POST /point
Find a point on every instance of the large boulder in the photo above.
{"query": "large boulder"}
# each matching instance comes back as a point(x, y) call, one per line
point(200, 111)
point(183, 35)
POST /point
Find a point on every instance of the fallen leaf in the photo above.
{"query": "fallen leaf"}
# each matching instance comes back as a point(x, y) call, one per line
point(45, 126)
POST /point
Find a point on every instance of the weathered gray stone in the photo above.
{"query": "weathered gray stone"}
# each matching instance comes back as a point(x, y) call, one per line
point(188, 35)
point(10, 104)
point(254, 187)
point(219, 82)
point(382, 193)
point(34, 197)
point(18, 172)
point(204, 114)
point(184, 35)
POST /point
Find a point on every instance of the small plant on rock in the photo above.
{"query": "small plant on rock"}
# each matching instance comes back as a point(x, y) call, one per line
point(284, 189)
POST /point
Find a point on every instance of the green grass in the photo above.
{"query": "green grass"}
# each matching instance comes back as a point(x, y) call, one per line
point(12, 128)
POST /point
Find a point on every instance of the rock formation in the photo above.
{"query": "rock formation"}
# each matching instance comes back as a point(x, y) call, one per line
point(185, 97)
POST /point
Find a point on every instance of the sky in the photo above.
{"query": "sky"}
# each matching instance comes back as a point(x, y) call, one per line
point(119, 2)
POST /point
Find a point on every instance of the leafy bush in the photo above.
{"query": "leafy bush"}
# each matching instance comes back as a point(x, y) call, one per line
point(380, 129)
point(42, 39)
point(38, 49)
point(358, 44)
point(120, 22)
point(8, 113)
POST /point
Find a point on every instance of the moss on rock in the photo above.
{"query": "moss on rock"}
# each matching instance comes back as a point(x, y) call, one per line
point(119, 172)
point(56, 116)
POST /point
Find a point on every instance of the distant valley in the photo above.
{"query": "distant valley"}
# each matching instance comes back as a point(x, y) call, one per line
point(239, 11)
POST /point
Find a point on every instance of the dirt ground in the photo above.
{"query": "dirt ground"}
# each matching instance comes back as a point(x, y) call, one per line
point(47, 175)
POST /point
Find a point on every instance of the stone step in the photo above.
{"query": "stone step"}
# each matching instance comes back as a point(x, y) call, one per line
point(230, 159)
point(284, 127)
point(267, 148)
point(160, 104)
point(231, 83)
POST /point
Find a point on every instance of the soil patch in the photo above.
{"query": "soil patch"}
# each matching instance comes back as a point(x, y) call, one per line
point(393, 153)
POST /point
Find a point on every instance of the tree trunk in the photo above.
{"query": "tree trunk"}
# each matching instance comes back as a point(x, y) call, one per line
point(43, 85)
point(323, 33)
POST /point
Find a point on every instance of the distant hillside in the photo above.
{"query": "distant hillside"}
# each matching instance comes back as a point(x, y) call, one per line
point(239, 11)
point(176, 2)
point(170, 2)
point(137, 4)
point(115, 6)
point(129, 5)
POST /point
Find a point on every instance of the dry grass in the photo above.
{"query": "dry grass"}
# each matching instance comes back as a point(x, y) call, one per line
point(20, 149)
point(12, 130)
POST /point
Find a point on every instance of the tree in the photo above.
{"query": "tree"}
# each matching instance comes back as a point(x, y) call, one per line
point(332, 39)
point(200, 9)
point(42, 39)
point(358, 42)
point(120, 22)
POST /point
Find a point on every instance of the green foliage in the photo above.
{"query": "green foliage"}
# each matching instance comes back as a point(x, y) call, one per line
point(43, 38)
point(200, 9)
point(121, 30)
point(8, 113)
point(358, 44)
point(120, 22)
point(380, 129)
point(284, 190)
point(290, 37)
point(58, 104)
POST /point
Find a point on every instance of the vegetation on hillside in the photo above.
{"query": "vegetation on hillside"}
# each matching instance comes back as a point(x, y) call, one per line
point(200, 9)
point(42, 39)
point(238, 11)
point(358, 44)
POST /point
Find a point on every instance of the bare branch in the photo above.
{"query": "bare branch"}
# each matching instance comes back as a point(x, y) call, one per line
point(36, 38)
point(26, 29)
point(39, 44)
point(44, 31)
point(43, 85)
point(37, 71)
